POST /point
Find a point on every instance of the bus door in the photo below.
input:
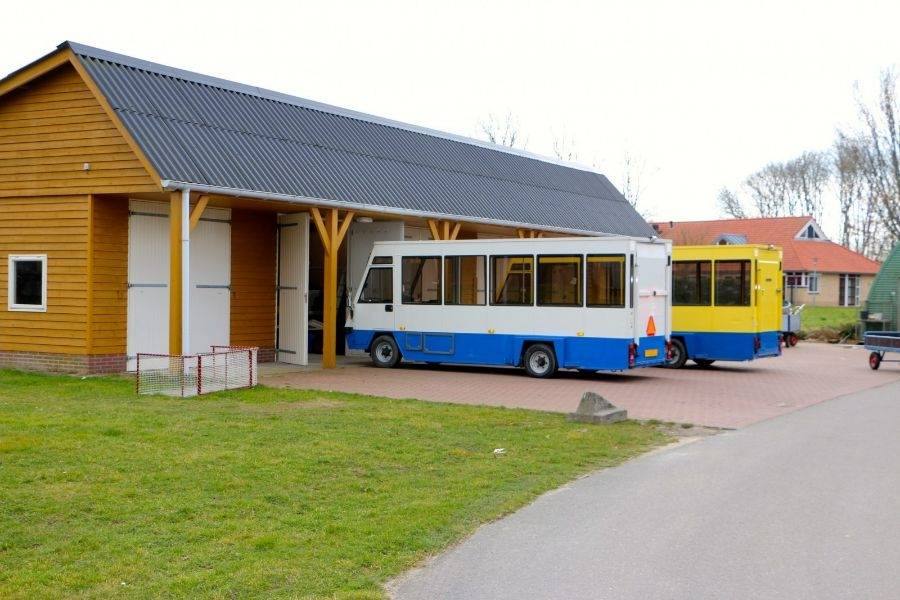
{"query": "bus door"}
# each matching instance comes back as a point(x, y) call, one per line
point(650, 292)
point(769, 296)
point(374, 308)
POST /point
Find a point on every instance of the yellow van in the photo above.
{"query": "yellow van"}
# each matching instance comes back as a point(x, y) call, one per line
point(726, 303)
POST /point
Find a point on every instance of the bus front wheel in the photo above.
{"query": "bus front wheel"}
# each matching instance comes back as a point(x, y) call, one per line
point(385, 353)
point(540, 361)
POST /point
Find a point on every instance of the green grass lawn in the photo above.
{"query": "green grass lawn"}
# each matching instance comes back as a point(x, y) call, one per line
point(262, 492)
point(820, 317)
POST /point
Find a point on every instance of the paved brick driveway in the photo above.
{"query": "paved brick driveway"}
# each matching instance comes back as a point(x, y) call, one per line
point(726, 395)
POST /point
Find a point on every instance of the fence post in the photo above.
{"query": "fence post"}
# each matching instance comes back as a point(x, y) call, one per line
point(137, 376)
point(199, 375)
point(250, 367)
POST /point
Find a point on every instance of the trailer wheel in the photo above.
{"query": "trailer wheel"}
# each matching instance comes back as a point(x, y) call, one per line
point(540, 361)
point(677, 355)
point(792, 339)
point(704, 362)
point(874, 361)
point(385, 353)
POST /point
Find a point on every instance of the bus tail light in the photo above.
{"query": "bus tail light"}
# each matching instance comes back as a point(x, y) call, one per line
point(632, 354)
point(668, 350)
point(757, 344)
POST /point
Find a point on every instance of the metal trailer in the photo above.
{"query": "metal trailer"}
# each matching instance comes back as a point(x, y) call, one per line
point(790, 324)
point(880, 343)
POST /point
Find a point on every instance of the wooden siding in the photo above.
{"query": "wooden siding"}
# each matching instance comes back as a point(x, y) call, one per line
point(253, 278)
point(108, 276)
point(57, 227)
point(50, 128)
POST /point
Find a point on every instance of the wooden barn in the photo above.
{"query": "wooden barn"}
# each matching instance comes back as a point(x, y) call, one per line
point(148, 209)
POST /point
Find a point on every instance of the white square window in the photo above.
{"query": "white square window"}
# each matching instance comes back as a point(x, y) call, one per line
point(27, 286)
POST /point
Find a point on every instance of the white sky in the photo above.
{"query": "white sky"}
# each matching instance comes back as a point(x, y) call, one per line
point(702, 93)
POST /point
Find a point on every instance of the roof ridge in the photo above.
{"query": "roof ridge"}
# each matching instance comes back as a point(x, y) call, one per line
point(241, 88)
point(736, 220)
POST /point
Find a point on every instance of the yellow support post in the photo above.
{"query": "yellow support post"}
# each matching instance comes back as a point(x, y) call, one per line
point(332, 231)
point(175, 273)
point(198, 211)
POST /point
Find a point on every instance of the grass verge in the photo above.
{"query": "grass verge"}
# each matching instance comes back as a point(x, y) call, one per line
point(261, 492)
point(829, 323)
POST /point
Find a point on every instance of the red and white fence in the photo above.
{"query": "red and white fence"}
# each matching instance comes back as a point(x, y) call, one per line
point(224, 368)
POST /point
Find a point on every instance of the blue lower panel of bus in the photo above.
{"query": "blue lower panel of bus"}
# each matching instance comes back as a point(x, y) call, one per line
point(596, 354)
point(729, 346)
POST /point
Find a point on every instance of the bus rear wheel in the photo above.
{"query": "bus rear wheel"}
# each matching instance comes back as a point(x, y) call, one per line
point(540, 361)
point(385, 353)
point(677, 355)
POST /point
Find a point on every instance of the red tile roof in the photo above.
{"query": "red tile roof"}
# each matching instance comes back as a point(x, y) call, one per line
point(799, 254)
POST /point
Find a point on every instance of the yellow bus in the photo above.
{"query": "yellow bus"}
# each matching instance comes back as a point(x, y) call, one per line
point(726, 303)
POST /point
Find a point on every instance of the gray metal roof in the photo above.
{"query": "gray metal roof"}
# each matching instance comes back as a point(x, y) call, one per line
point(211, 132)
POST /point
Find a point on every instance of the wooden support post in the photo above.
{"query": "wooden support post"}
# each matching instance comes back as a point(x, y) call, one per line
point(443, 230)
point(529, 233)
point(175, 273)
point(332, 231)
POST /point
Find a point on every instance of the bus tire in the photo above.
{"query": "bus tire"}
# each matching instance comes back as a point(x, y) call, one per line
point(678, 355)
point(540, 361)
point(385, 353)
point(703, 362)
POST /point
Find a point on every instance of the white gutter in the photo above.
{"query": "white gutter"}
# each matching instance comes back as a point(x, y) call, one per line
point(226, 191)
point(185, 270)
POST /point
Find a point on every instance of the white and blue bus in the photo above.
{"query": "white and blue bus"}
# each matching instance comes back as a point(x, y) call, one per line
point(592, 304)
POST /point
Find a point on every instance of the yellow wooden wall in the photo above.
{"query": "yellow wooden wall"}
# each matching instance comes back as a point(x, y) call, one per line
point(57, 227)
point(49, 128)
point(108, 275)
point(253, 278)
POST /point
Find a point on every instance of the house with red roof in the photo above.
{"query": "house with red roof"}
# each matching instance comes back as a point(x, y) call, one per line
point(817, 271)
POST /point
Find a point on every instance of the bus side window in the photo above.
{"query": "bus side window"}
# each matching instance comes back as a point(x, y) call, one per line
point(732, 283)
point(421, 277)
point(691, 282)
point(379, 286)
point(513, 280)
point(559, 280)
point(464, 281)
point(606, 281)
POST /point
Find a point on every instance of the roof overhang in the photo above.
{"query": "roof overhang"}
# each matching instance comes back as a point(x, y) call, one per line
point(369, 208)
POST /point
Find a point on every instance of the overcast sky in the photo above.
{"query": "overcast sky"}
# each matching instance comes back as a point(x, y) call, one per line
point(701, 93)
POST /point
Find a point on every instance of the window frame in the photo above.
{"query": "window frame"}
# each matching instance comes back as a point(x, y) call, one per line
point(487, 284)
point(440, 280)
point(537, 280)
point(625, 280)
point(492, 283)
point(750, 283)
point(374, 267)
point(810, 279)
point(11, 283)
point(712, 281)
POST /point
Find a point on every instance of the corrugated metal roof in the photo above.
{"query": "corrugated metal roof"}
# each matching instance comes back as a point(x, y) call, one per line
point(207, 131)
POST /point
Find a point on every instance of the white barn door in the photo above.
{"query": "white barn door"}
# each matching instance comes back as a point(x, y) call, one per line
point(148, 280)
point(360, 239)
point(293, 288)
point(211, 281)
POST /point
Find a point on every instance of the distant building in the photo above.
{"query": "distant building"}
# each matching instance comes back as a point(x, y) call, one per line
point(817, 271)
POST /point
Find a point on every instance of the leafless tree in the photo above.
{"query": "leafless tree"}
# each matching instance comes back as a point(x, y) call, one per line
point(633, 179)
point(861, 228)
point(881, 156)
point(730, 204)
point(769, 191)
point(564, 147)
point(503, 131)
point(807, 178)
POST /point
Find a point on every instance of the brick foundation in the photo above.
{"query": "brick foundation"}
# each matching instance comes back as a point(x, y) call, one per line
point(78, 364)
point(265, 355)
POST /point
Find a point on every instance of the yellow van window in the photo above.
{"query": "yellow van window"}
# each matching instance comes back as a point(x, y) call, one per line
point(691, 282)
point(733, 283)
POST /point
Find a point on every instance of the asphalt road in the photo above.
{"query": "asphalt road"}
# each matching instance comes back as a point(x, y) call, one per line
point(806, 505)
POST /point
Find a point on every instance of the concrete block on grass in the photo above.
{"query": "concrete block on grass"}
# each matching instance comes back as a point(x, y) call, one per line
point(594, 408)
